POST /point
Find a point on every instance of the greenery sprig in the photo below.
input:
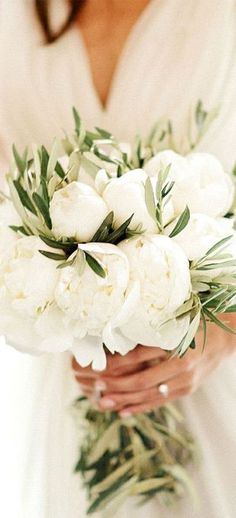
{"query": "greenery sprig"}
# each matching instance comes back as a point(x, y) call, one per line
point(212, 295)
point(157, 201)
point(143, 456)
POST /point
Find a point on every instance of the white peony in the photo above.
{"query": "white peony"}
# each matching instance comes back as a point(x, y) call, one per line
point(77, 211)
point(8, 216)
point(35, 335)
point(126, 196)
point(161, 269)
point(30, 320)
point(211, 191)
point(91, 303)
point(201, 233)
point(200, 182)
point(27, 278)
point(179, 167)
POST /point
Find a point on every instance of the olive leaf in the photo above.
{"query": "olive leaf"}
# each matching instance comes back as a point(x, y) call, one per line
point(181, 223)
point(150, 199)
point(44, 161)
point(213, 318)
point(103, 231)
point(120, 233)
point(104, 133)
point(95, 265)
point(77, 121)
point(24, 197)
point(20, 229)
point(21, 162)
point(53, 164)
point(43, 209)
point(67, 246)
point(192, 330)
point(51, 255)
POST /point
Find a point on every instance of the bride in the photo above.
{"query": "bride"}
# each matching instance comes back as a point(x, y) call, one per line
point(123, 64)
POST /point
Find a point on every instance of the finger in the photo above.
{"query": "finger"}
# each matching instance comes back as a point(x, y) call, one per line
point(151, 405)
point(140, 354)
point(118, 401)
point(86, 391)
point(86, 382)
point(85, 372)
point(126, 369)
point(147, 378)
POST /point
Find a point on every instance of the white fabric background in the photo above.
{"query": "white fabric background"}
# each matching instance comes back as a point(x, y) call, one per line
point(178, 52)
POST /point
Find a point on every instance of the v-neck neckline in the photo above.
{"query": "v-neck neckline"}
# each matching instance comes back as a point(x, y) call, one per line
point(76, 34)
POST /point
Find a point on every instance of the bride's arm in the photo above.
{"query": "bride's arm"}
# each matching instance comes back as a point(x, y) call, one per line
point(130, 383)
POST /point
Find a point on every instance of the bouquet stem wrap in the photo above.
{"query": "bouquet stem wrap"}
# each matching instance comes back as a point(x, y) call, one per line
point(143, 455)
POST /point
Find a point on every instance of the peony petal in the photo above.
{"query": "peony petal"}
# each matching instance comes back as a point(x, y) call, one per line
point(115, 341)
point(172, 332)
point(88, 351)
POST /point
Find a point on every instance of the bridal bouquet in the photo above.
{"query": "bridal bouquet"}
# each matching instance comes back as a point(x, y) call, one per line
point(104, 245)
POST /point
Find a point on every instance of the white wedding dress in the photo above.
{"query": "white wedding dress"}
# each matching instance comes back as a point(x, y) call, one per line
point(179, 51)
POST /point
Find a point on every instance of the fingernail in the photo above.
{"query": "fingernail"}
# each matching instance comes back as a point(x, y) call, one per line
point(125, 413)
point(107, 403)
point(100, 385)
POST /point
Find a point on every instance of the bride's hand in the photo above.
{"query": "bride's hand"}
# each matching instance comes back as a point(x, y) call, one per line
point(131, 383)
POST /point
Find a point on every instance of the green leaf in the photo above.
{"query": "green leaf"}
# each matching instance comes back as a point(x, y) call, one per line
point(51, 255)
point(204, 327)
point(44, 161)
point(120, 233)
point(53, 157)
point(43, 209)
point(20, 229)
point(24, 197)
point(44, 190)
point(77, 121)
point(116, 475)
point(215, 266)
point(151, 483)
point(119, 171)
point(105, 226)
point(107, 441)
point(104, 157)
point(104, 134)
point(188, 338)
point(66, 264)
point(181, 223)
point(167, 188)
point(80, 261)
point(200, 114)
point(193, 344)
point(186, 307)
point(218, 322)
point(226, 302)
point(68, 246)
point(59, 170)
point(181, 474)
point(95, 265)
point(218, 245)
point(214, 295)
point(161, 178)
point(103, 496)
point(20, 162)
point(231, 309)
point(150, 199)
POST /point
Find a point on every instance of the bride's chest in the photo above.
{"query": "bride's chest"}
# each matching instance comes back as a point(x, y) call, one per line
point(162, 73)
